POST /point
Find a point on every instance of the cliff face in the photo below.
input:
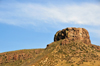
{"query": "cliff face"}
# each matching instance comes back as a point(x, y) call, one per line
point(73, 34)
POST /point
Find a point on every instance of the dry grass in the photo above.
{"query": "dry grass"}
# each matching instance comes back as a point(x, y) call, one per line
point(71, 54)
point(17, 58)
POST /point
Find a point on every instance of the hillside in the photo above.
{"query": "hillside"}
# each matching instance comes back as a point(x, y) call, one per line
point(16, 58)
point(71, 54)
point(71, 47)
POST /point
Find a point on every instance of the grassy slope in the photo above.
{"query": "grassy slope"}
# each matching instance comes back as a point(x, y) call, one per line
point(71, 54)
point(25, 55)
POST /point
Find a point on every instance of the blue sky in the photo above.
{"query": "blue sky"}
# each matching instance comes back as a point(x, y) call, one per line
point(30, 24)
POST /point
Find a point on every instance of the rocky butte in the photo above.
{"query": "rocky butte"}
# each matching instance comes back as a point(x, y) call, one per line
point(73, 34)
point(71, 47)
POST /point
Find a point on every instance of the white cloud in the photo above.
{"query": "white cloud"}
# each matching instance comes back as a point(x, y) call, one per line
point(34, 14)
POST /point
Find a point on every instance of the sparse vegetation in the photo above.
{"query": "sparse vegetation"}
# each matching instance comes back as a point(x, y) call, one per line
point(55, 54)
point(60, 53)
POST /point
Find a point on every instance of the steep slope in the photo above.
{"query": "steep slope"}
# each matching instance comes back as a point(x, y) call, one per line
point(72, 46)
point(74, 53)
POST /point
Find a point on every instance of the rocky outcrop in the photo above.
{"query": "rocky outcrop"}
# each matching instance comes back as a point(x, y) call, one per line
point(21, 55)
point(73, 34)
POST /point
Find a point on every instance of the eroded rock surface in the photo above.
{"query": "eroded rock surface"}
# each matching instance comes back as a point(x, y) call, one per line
point(73, 34)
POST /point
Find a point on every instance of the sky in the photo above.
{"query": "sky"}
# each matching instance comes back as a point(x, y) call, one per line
point(32, 24)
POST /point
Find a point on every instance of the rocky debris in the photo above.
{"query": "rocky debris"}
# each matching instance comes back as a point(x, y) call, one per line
point(96, 47)
point(11, 58)
point(73, 34)
point(37, 51)
point(0, 60)
point(17, 56)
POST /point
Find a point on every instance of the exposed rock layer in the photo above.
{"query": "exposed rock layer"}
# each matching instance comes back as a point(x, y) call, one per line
point(73, 34)
point(21, 55)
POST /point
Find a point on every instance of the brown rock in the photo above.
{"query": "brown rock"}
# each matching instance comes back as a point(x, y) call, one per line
point(72, 34)
point(0, 60)
point(15, 57)
point(9, 58)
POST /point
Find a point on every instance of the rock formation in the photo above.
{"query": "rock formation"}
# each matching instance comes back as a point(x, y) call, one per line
point(73, 34)
point(21, 55)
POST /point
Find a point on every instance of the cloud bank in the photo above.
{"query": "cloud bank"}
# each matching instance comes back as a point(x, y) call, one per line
point(36, 14)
